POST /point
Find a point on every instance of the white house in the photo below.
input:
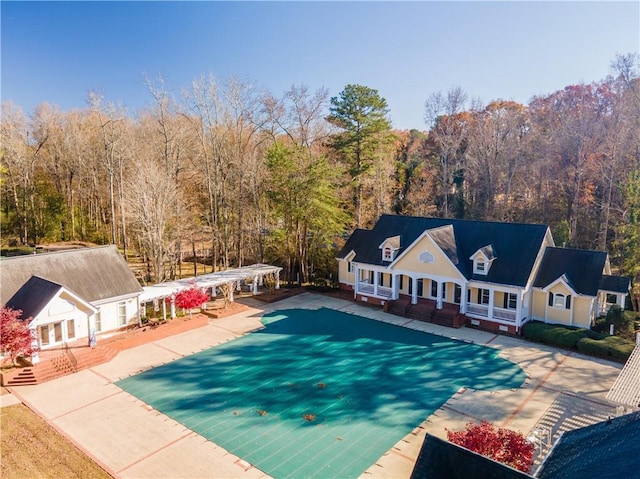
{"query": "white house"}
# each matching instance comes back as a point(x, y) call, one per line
point(72, 293)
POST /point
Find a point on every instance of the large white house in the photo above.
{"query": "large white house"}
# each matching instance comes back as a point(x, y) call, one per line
point(70, 294)
point(488, 274)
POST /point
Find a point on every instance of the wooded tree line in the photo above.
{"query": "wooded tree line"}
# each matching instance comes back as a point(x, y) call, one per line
point(283, 179)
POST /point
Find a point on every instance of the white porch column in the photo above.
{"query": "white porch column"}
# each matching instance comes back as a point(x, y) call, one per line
point(255, 285)
point(376, 277)
point(173, 307)
point(463, 299)
point(356, 275)
point(164, 309)
point(491, 299)
point(395, 286)
point(239, 286)
point(439, 294)
point(518, 308)
point(261, 280)
point(278, 280)
point(414, 290)
point(231, 292)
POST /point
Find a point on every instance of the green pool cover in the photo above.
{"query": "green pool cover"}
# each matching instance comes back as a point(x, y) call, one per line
point(318, 393)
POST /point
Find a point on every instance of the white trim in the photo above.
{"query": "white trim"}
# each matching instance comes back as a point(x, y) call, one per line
point(563, 281)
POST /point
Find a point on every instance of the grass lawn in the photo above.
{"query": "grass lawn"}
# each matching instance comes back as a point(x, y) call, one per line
point(31, 448)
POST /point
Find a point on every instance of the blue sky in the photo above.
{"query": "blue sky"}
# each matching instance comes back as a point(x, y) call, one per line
point(58, 51)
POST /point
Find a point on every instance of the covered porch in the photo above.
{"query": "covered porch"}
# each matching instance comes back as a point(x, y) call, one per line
point(251, 278)
point(502, 306)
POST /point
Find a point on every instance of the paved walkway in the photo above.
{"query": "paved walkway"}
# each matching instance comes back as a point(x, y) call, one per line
point(131, 440)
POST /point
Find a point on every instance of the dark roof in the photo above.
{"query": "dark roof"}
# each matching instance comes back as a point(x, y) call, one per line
point(439, 459)
point(515, 245)
point(94, 274)
point(616, 284)
point(33, 296)
point(608, 449)
point(582, 268)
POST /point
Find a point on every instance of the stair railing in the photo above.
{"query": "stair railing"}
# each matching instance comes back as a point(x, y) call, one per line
point(72, 358)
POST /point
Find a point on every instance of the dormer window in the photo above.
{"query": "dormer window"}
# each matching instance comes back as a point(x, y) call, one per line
point(389, 248)
point(482, 260)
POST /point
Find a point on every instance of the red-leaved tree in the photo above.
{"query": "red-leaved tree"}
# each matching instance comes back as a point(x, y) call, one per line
point(500, 444)
point(191, 297)
point(15, 335)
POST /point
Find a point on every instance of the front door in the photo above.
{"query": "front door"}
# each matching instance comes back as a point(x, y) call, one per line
point(51, 334)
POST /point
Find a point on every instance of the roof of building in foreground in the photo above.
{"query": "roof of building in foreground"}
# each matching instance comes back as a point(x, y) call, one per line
point(95, 274)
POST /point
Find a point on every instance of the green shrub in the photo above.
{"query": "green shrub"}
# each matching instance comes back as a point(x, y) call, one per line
point(601, 326)
point(588, 342)
point(591, 334)
point(593, 347)
point(619, 348)
point(534, 330)
point(611, 346)
point(554, 335)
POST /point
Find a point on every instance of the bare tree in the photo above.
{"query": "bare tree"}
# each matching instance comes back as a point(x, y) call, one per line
point(444, 113)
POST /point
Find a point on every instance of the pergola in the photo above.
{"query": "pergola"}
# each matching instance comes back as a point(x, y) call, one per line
point(626, 388)
point(253, 274)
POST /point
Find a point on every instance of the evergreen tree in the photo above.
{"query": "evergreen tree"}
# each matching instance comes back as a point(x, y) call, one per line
point(361, 113)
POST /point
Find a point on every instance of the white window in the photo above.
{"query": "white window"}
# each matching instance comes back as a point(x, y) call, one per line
point(44, 334)
point(98, 322)
point(480, 266)
point(122, 313)
point(387, 253)
point(510, 300)
point(560, 301)
point(426, 257)
point(71, 329)
point(483, 296)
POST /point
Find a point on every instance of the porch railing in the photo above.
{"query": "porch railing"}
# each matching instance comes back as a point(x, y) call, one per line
point(385, 292)
point(505, 314)
point(478, 309)
point(502, 314)
point(72, 358)
point(368, 288)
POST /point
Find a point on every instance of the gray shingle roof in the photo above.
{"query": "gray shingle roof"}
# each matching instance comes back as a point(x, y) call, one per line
point(33, 296)
point(95, 274)
point(516, 245)
point(608, 449)
point(439, 459)
point(615, 284)
point(582, 268)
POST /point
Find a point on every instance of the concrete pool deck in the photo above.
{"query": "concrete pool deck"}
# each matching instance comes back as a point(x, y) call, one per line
point(131, 440)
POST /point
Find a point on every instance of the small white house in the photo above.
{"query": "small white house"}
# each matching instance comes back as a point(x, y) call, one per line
point(70, 294)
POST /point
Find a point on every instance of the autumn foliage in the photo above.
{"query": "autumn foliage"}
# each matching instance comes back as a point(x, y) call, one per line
point(15, 336)
point(500, 444)
point(191, 297)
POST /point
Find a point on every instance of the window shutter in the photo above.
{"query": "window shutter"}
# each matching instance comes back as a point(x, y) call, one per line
point(567, 303)
point(505, 300)
point(550, 299)
point(479, 296)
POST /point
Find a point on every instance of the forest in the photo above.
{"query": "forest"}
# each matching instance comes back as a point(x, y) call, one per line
point(249, 176)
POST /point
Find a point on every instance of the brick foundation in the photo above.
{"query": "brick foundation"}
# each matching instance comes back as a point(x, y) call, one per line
point(491, 326)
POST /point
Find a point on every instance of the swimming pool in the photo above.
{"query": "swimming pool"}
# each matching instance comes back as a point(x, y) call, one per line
point(318, 393)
